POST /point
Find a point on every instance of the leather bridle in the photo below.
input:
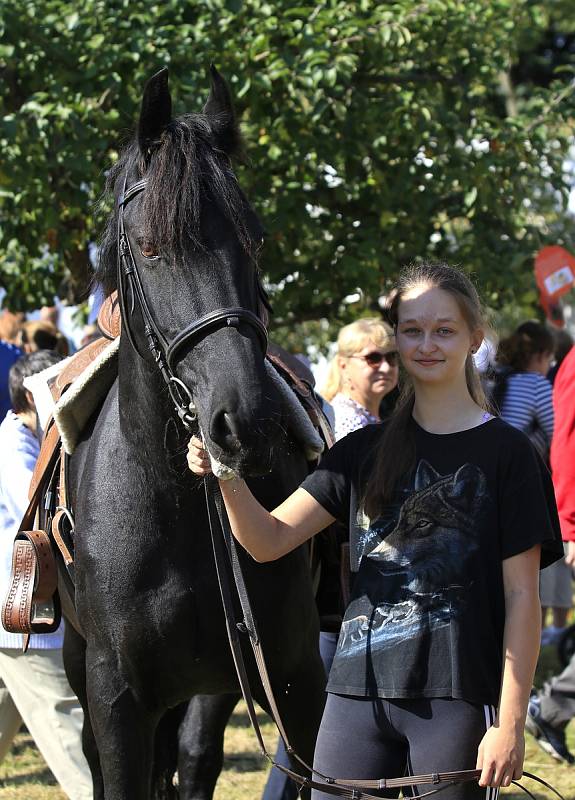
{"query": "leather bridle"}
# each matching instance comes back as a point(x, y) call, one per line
point(166, 353)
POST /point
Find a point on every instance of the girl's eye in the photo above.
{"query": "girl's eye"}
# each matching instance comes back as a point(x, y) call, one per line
point(148, 250)
point(445, 331)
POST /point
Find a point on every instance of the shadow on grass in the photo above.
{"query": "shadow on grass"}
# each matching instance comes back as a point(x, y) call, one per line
point(241, 719)
point(42, 777)
point(244, 762)
point(21, 745)
point(548, 665)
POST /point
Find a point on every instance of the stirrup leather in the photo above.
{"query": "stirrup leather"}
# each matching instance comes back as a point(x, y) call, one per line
point(32, 604)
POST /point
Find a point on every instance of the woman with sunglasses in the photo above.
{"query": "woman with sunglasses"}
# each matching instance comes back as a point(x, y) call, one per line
point(363, 372)
point(451, 515)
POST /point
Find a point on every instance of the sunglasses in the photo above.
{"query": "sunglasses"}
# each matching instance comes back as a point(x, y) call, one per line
point(374, 359)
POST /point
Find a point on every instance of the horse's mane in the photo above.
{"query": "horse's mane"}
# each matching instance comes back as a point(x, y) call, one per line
point(183, 167)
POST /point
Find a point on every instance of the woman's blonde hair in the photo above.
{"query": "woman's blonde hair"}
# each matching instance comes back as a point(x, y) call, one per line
point(351, 339)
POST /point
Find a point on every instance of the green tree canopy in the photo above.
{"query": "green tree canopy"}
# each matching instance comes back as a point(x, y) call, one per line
point(375, 133)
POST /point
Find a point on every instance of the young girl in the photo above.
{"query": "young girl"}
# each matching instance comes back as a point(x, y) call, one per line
point(451, 513)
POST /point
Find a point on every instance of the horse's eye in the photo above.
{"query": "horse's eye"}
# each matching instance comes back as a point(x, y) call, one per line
point(148, 250)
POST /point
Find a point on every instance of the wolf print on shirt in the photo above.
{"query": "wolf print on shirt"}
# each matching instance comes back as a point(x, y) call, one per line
point(414, 579)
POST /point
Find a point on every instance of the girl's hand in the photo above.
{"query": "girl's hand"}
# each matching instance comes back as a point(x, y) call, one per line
point(198, 458)
point(500, 756)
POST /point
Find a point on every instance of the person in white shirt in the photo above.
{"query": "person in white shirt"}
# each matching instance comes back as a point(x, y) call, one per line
point(33, 685)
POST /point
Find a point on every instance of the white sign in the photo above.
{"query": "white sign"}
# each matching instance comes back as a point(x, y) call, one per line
point(557, 280)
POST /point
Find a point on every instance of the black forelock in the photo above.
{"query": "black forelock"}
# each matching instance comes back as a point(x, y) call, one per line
point(182, 169)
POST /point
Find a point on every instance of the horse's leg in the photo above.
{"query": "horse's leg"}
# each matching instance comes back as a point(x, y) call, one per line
point(166, 753)
point(123, 728)
point(201, 744)
point(74, 654)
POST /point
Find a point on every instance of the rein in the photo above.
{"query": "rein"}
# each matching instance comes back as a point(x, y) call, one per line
point(163, 352)
point(224, 547)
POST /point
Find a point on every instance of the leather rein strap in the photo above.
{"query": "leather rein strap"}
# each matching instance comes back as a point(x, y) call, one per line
point(163, 352)
point(225, 551)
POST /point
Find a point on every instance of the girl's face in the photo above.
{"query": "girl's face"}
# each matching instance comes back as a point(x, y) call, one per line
point(433, 337)
point(372, 372)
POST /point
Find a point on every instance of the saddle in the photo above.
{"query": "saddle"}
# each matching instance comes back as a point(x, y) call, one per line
point(38, 588)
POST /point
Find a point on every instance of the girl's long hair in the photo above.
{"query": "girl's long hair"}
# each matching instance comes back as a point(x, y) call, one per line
point(395, 455)
point(351, 339)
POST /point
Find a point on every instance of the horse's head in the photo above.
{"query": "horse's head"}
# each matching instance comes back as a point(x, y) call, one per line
point(185, 240)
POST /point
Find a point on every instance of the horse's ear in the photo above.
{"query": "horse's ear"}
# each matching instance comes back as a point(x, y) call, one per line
point(156, 111)
point(219, 109)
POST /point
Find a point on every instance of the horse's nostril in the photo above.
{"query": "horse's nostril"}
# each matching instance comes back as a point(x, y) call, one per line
point(224, 431)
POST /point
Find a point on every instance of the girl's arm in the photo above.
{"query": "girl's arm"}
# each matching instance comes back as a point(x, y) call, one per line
point(266, 536)
point(502, 750)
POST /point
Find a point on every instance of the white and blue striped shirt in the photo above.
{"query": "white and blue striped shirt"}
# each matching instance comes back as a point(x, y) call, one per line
point(528, 405)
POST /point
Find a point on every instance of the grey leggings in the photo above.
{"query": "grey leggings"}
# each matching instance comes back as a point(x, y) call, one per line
point(374, 738)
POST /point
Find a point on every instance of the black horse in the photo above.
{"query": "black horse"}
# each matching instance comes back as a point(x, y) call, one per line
point(146, 591)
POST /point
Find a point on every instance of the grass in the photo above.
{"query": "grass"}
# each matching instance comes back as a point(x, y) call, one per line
point(25, 776)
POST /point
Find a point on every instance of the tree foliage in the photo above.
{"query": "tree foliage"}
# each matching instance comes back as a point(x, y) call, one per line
point(375, 133)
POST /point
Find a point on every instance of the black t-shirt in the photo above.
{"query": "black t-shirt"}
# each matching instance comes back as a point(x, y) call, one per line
point(427, 611)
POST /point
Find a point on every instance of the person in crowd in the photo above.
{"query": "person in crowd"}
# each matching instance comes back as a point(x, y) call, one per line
point(551, 709)
point(364, 370)
point(451, 513)
point(524, 396)
point(522, 393)
point(10, 323)
point(9, 353)
point(40, 335)
point(51, 315)
point(33, 685)
point(563, 344)
point(556, 582)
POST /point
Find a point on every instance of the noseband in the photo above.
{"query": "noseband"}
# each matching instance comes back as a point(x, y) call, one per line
point(165, 353)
